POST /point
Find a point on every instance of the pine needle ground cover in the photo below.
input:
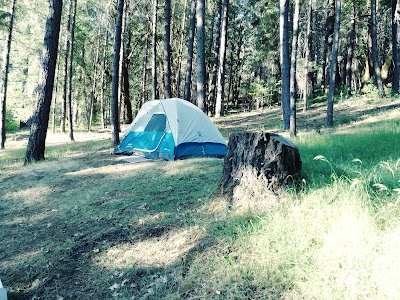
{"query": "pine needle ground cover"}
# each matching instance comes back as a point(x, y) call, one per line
point(83, 225)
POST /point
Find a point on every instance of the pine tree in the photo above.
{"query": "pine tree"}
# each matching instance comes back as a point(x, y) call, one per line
point(40, 120)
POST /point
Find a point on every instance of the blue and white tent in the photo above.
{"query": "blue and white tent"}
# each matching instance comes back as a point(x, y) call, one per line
point(172, 129)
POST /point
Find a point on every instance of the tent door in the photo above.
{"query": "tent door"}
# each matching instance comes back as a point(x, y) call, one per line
point(158, 122)
point(154, 133)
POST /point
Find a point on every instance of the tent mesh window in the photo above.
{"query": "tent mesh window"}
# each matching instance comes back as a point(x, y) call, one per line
point(157, 123)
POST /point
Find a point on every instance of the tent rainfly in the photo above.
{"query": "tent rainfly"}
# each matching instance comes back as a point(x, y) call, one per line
point(172, 129)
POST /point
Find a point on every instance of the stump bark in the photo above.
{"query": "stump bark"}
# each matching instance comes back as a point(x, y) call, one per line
point(268, 157)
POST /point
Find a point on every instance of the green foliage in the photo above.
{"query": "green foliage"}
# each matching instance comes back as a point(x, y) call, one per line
point(3, 19)
point(11, 122)
point(262, 94)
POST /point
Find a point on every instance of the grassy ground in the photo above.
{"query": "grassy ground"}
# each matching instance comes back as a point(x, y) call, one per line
point(83, 225)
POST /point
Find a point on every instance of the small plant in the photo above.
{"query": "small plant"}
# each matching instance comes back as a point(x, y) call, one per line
point(262, 93)
point(334, 175)
point(11, 123)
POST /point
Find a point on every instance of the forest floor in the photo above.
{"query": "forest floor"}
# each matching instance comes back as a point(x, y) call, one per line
point(84, 225)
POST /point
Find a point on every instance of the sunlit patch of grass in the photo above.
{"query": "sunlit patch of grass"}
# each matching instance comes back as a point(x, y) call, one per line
point(27, 219)
point(159, 251)
point(19, 259)
point(106, 170)
point(29, 197)
point(11, 158)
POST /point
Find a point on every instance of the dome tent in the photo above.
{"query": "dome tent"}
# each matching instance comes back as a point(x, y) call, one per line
point(172, 129)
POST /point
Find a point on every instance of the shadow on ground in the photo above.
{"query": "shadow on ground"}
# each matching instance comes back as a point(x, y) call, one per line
point(65, 223)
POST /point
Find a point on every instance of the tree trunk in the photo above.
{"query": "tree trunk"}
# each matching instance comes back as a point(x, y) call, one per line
point(102, 83)
point(167, 50)
point(40, 120)
point(329, 27)
point(72, 35)
point(350, 49)
point(375, 58)
point(237, 68)
point(215, 41)
point(395, 45)
point(265, 156)
point(114, 96)
point(4, 77)
point(143, 97)
point(231, 65)
point(307, 45)
point(189, 65)
point(66, 60)
point(154, 60)
point(219, 105)
point(94, 85)
point(121, 99)
point(128, 116)
point(201, 62)
point(332, 76)
point(53, 123)
point(293, 91)
point(180, 51)
point(285, 62)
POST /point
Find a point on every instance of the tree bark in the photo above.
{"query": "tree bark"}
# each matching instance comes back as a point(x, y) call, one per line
point(285, 62)
point(4, 77)
point(329, 26)
point(40, 120)
point(72, 35)
point(219, 105)
point(167, 50)
point(94, 85)
point(102, 82)
point(180, 51)
point(201, 62)
point(121, 99)
point(395, 46)
point(66, 61)
point(268, 157)
point(332, 76)
point(375, 58)
point(231, 71)
point(154, 60)
point(307, 45)
point(57, 76)
point(215, 40)
point(237, 63)
point(350, 49)
point(128, 116)
point(189, 64)
point(293, 91)
point(114, 96)
point(143, 97)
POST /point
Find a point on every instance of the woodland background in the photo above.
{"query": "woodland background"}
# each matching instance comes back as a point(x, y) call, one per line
point(256, 54)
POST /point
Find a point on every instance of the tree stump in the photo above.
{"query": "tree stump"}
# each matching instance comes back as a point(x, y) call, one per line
point(268, 157)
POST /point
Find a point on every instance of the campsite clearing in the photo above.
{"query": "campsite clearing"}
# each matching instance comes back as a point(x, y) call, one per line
point(82, 225)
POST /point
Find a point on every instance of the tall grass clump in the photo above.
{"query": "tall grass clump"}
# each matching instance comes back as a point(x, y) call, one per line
point(337, 237)
point(326, 243)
